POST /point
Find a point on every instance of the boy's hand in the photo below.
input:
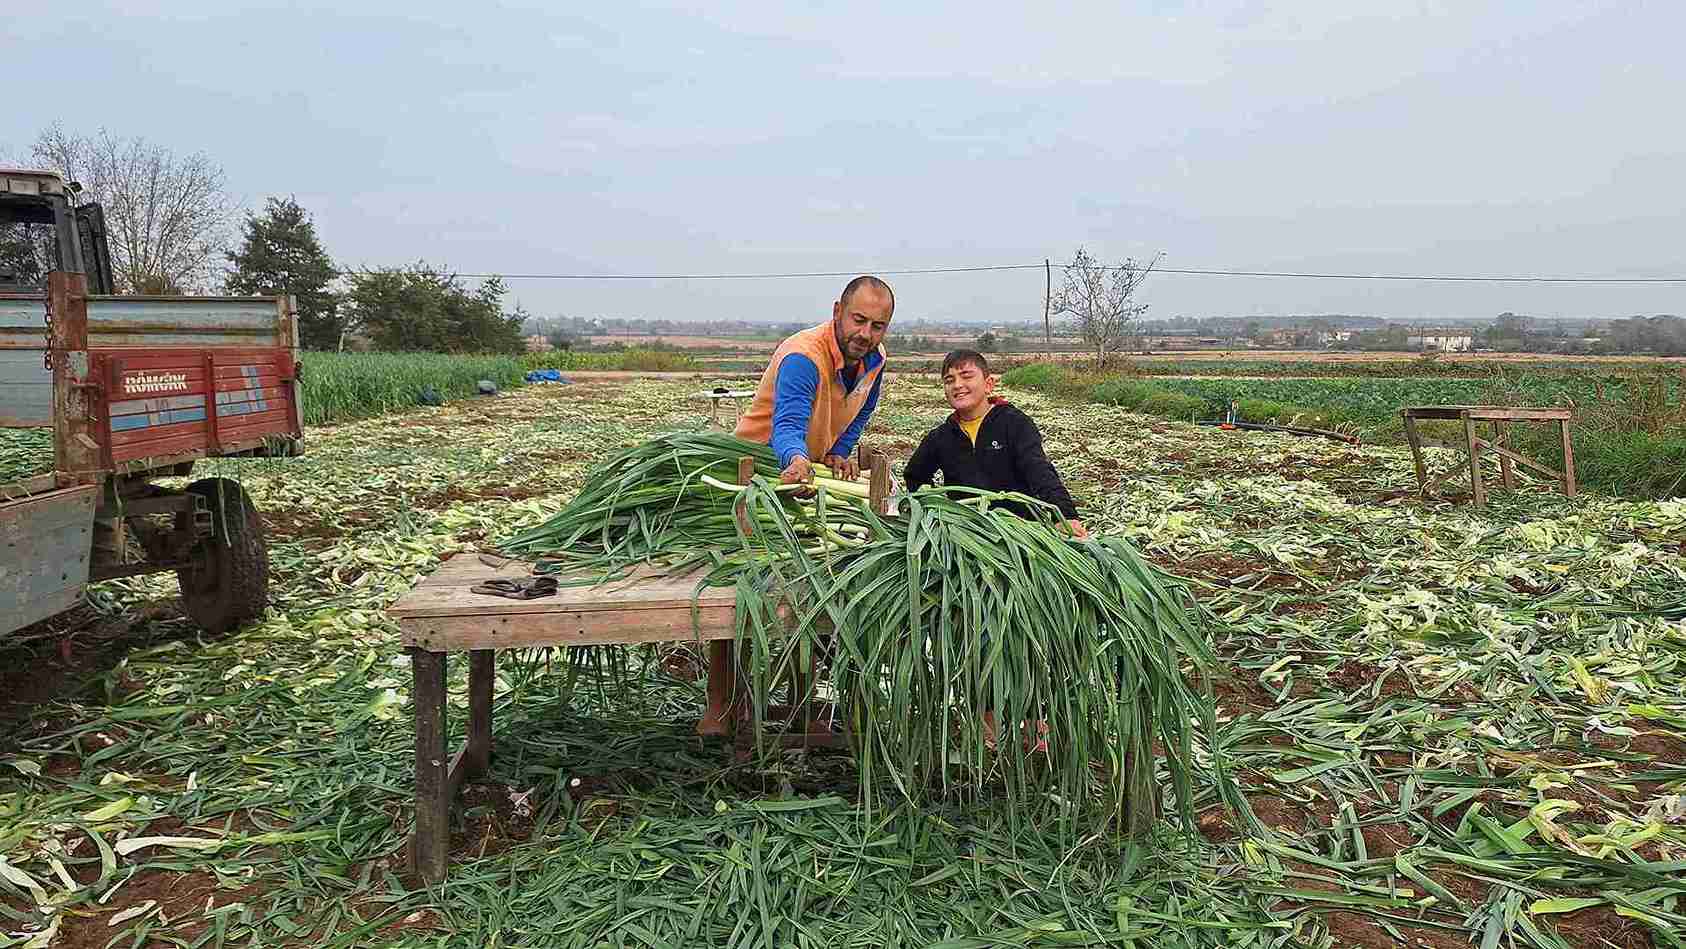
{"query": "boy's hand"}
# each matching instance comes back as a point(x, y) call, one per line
point(799, 471)
point(844, 468)
point(1077, 529)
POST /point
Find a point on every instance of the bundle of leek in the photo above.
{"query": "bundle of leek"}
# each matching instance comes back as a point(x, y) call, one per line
point(956, 609)
point(670, 501)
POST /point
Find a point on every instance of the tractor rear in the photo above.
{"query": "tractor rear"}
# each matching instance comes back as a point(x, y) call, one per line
point(135, 390)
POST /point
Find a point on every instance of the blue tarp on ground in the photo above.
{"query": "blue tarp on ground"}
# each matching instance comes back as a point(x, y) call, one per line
point(546, 375)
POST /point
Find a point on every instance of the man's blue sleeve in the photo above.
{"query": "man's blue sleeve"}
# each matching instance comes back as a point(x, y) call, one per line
point(793, 405)
point(852, 434)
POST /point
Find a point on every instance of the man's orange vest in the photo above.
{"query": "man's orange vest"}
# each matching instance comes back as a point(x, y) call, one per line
point(834, 408)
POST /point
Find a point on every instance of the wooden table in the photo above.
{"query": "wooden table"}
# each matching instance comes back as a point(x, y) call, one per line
point(440, 616)
point(1500, 416)
point(714, 397)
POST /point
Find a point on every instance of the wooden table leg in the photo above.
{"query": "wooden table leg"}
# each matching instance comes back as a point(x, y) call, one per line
point(1416, 454)
point(722, 683)
point(1501, 438)
point(1568, 459)
point(430, 844)
point(478, 758)
point(801, 684)
point(1476, 489)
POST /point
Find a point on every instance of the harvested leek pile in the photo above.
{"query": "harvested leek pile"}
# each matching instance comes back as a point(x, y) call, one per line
point(937, 616)
point(24, 453)
point(666, 500)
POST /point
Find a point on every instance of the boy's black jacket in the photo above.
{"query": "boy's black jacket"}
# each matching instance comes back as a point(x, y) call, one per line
point(1008, 457)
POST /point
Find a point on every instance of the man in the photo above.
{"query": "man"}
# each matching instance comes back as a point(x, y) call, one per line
point(987, 443)
point(815, 398)
point(822, 386)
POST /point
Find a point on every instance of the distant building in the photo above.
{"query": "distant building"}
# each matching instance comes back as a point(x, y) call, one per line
point(1441, 342)
point(538, 344)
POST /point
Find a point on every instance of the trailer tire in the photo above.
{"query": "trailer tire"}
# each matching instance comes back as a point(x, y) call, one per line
point(227, 585)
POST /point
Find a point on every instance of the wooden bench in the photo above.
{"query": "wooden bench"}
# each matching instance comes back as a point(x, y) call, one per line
point(715, 396)
point(1500, 416)
point(441, 615)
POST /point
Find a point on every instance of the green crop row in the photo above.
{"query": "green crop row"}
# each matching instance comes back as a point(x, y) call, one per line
point(1629, 432)
point(340, 387)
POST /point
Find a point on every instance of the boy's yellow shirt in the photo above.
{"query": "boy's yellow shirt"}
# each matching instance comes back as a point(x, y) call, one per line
point(971, 427)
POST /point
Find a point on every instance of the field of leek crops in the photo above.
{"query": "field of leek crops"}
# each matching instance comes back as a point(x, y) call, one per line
point(1456, 728)
point(340, 387)
point(1629, 430)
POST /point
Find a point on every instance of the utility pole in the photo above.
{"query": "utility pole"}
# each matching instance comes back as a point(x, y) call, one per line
point(1047, 298)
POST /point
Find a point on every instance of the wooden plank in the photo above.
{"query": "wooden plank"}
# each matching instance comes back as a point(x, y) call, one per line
point(878, 490)
point(467, 569)
point(1478, 491)
point(431, 841)
point(1501, 443)
point(1416, 453)
point(1443, 412)
point(1509, 455)
point(1488, 413)
point(459, 600)
point(1568, 459)
point(513, 629)
point(1492, 413)
point(481, 666)
point(1450, 476)
point(721, 682)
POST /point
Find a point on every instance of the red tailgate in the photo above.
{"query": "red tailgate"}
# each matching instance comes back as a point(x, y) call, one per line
point(159, 403)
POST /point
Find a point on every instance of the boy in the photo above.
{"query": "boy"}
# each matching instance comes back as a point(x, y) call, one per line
point(987, 443)
point(991, 445)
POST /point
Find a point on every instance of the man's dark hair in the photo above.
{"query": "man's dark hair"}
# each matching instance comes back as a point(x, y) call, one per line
point(965, 357)
point(874, 283)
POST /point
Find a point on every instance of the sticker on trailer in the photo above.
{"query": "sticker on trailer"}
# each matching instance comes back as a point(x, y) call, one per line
point(147, 383)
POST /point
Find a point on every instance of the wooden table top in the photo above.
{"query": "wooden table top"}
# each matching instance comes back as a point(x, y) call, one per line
point(1489, 413)
point(442, 614)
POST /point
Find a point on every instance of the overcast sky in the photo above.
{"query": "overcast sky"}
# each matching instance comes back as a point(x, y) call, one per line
point(1529, 137)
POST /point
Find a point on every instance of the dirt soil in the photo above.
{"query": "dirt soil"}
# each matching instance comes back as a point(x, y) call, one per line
point(64, 655)
point(177, 895)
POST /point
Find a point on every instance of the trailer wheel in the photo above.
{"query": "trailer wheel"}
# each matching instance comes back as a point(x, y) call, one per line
point(227, 585)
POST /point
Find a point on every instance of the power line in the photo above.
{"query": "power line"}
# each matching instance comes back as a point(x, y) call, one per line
point(1437, 277)
point(1443, 278)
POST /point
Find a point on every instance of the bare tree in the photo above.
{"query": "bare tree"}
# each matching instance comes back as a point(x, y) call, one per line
point(1099, 297)
point(169, 216)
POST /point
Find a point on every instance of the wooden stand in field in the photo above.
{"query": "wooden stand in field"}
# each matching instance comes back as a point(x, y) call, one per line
point(714, 399)
point(441, 616)
point(1500, 416)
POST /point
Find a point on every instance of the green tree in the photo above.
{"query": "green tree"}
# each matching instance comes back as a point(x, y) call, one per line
point(280, 254)
point(424, 308)
point(985, 343)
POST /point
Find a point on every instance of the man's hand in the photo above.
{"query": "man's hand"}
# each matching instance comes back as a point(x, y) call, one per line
point(843, 467)
point(1077, 529)
point(799, 471)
